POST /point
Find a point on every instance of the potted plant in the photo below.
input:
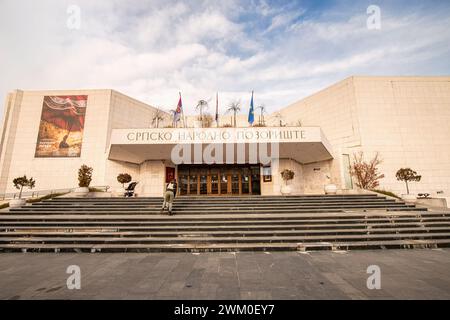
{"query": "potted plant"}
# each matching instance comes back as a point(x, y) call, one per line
point(287, 175)
point(84, 180)
point(122, 178)
point(407, 174)
point(330, 188)
point(19, 183)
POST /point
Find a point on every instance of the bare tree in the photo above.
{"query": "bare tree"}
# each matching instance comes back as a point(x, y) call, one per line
point(262, 111)
point(202, 105)
point(158, 116)
point(234, 107)
point(172, 112)
point(207, 120)
point(366, 173)
point(279, 117)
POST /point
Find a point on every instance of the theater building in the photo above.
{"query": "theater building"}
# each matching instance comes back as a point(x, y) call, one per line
point(49, 134)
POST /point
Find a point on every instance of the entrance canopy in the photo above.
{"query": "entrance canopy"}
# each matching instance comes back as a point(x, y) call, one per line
point(220, 145)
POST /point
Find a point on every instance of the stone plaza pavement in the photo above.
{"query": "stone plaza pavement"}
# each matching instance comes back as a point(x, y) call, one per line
point(405, 274)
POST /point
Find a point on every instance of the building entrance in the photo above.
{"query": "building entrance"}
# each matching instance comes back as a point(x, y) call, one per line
point(219, 180)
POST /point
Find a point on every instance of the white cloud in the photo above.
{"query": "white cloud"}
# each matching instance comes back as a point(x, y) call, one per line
point(152, 49)
point(283, 19)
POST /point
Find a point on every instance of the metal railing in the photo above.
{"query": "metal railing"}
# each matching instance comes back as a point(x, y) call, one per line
point(42, 193)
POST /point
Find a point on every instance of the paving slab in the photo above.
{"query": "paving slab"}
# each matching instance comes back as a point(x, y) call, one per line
point(405, 274)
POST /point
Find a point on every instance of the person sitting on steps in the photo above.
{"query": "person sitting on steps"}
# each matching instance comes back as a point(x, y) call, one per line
point(169, 195)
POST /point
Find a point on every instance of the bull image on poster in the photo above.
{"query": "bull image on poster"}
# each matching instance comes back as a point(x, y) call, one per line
point(61, 127)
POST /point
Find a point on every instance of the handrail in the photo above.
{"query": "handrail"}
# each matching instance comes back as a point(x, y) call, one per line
point(41, 193)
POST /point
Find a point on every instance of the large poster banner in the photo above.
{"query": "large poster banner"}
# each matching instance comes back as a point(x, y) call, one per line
point(61, 127)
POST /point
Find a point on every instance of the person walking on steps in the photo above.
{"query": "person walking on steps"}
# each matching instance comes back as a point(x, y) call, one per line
point(169, 195)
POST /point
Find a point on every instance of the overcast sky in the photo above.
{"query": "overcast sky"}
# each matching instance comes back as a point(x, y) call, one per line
point(151, 50)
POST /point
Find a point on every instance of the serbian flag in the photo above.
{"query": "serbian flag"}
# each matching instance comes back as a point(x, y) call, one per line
point(178, 111)
point(251, 112)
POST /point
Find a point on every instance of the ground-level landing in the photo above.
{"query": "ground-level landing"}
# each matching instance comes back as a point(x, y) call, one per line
point(405, 274)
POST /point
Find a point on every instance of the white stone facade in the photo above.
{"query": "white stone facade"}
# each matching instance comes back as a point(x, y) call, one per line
point(405, 119)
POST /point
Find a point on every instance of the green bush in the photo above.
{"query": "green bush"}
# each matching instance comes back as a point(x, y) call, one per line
point(84, 176)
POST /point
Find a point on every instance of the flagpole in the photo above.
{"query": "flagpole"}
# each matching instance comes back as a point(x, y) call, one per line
point(217, 109)
point(182, 114)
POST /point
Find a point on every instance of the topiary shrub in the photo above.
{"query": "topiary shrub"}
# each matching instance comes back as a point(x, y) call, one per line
point(21, 182)
point(407, 174)
point(84, 176)
point(124, 178)
point(287, 175)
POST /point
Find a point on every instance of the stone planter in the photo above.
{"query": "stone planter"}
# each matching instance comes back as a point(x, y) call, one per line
point(17, 203)
point(330, 189)
point(286, 190)
point(81, 191)
point(409, 198)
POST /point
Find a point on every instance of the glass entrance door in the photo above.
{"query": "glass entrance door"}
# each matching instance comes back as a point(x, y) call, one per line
point(224, 183)
point(235, 183)
point(214, 182)
point(193, 184)
point(217, 180)
point(245, 181)
point(256, 180)
point(203, 183)
point(183, 182)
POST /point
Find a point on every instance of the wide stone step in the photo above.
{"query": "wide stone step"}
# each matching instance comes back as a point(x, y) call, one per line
point(209, 200)
point(271, 239)
point(230, 247)
point(287, 224)
point(232, 198)
point(142, 239)
point(206, 205)
point(42, 227)
point(226, 217)
point(128, 210)
point(213, 200)
point(226, 233)
point(205, 215)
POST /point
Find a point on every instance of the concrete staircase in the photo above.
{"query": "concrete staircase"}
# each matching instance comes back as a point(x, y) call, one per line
point(302, 223)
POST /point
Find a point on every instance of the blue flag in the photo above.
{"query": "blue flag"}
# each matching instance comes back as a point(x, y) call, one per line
point(251, 113)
